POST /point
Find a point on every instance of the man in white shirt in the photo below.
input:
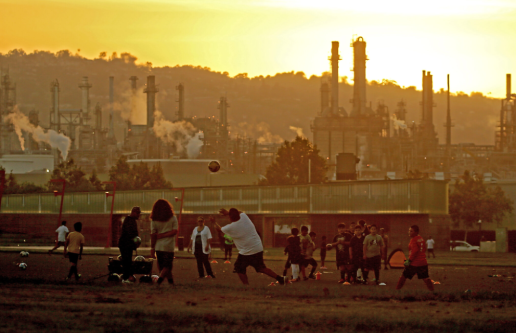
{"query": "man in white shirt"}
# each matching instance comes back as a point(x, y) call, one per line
point(430, 246)
point(248, 243)
point(62, 232)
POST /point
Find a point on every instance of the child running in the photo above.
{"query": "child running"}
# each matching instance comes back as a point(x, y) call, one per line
point(373, 247)
point(73, 249)
point(341, 242)
point(323, 251)
point(309, 259)
point(356, 248)
point(293, 250)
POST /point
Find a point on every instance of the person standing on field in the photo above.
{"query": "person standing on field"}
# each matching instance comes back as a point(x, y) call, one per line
point(73, 250)
point(127, 245)
point(201, 240)
point(430, 246)
point(373, 247)
point(416, 262)
point(62, 232)
point(248, 243)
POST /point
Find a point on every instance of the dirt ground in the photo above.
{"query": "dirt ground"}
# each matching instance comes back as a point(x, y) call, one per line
point(38, 299)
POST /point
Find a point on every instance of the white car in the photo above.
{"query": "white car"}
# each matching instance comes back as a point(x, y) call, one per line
point(463, 246)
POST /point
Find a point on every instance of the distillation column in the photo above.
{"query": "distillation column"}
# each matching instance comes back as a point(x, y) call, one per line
point(335, 57)
point(111, 132)
point(181, 102)
point(133, 80)
point(85, 88)
point(151, 91)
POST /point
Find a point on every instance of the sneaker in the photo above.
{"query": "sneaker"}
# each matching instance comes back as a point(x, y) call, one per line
point(341, 281)
point(346, 283)
point(295, 280)
point(208, 277)
point(283, 281)
point(127, 281)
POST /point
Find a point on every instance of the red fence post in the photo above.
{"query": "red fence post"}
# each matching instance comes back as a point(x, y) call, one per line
point(56, 193)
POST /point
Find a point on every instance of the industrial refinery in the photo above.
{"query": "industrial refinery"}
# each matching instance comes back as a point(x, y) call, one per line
point(378, 139)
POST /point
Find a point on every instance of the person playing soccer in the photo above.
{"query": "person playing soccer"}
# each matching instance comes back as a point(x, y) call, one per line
point(341, 242)
point(295, 258)
point(309, 259)
point(356, 248)
point(430, 246)
point(323, 251)
point(164, 228)
point(248, 243)
point(305, 241)
point(73, 249)
point(416, 262)
point(127, 245)
point(373, 247)
point(228, 248)
point(62, 232)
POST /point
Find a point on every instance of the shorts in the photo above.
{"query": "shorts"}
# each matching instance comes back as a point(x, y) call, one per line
point(323, 255)
point(430, 250)
point(73, 257)
point(288, 264)
point(373, 263)
point(165, 259)
point(358, 263)
point(255, 260)
point(60, 243)
point(421, 271)
point(343, 261)
point(228, 247)
point(307, 262)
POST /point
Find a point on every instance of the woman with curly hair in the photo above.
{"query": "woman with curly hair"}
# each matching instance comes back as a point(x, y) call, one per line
point(164, 227)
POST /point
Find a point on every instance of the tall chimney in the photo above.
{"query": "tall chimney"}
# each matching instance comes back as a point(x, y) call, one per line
point(335, 77)
point(508, 88)
point(359, 76)
point(448, 118)
point(181, 102)
point(111, 132)
point(151, 91)
point(325, 96)
point(133, 80)
point(85, 87)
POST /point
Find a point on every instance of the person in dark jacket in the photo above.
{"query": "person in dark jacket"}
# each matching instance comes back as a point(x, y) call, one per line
point(127, 245)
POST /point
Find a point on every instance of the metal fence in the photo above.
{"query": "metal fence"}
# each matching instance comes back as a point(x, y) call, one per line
point(361, 197)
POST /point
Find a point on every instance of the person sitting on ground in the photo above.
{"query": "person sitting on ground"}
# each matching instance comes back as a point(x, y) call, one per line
point(73, 249)
point(62, 232)
point(248, 243)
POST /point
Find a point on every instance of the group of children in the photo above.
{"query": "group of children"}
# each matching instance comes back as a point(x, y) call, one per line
point(360, 248)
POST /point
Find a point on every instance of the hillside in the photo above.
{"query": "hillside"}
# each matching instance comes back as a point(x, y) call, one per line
point(262, 107)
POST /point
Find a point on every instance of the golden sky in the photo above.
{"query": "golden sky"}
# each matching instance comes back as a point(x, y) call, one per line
point(472, 40)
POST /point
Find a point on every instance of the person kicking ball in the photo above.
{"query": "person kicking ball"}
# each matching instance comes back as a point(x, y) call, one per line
point(248, 243)
point(416, 263)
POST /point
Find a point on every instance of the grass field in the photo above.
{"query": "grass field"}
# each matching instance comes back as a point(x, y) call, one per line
point(38, 299)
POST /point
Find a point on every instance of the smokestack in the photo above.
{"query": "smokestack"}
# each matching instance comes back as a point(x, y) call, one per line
point(508, 82)
point(448, 118)
point(85, 87)
point(133, 80)
point(428, 99)
point(325, 97)
point(111, 132)
point(56, 121)
point(181, 100)
point(223, 107)
point(335, 77)
point(359, 76)
point(151, 91)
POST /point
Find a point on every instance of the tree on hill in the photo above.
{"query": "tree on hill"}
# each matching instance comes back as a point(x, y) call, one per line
point(291, 164)
point(11, 186)
point(472, 201)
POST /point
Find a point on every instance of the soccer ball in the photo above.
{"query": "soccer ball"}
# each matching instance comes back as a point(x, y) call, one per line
point(23, 266)
point(155, 278)
point(214, 166)
point(139, 258)
point(24, 253)
point(137, 241)
point(329, 246)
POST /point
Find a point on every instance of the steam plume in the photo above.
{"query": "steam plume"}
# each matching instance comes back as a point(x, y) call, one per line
point(180, 134)
point(397, 124)
point(55, 140)
point(298, 130)
point(260, 131)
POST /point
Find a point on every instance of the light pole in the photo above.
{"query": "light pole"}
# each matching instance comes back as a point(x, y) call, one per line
point(56, 193)
point(110, 229)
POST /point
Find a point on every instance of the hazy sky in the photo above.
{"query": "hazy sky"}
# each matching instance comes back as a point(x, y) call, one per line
point(472, 40)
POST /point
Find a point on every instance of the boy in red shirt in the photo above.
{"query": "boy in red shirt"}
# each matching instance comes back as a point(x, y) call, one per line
point(416, 263)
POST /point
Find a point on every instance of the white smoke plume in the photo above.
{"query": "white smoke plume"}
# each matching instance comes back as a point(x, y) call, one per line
point(298, 130)
point(126, 103)
point(397, 124)
point(179, 134)
point(193, 147)
point(260, 132)
point(21, 124)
